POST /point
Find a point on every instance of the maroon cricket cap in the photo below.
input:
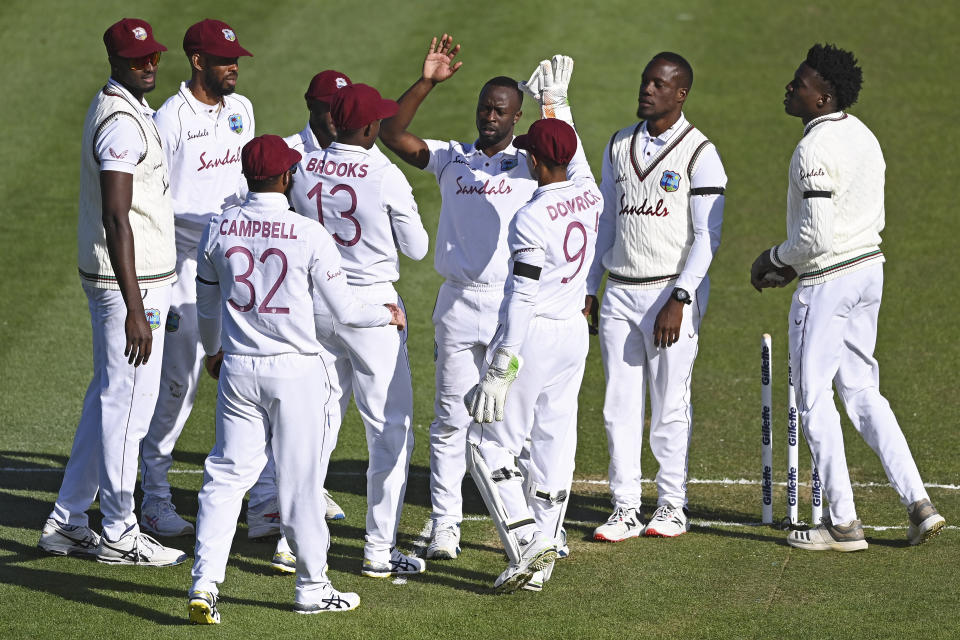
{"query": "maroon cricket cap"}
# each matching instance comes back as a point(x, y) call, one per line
point(357, 105)
point(267, 157)
point(214, 38)
point(131, 38)
point(549, 138)
point(325, 85)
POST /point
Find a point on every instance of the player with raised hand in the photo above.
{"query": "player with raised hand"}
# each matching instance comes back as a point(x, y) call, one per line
point(835, 213)
point(482, 185)
point(261, 272)
point(537, 362)
point(367, 205)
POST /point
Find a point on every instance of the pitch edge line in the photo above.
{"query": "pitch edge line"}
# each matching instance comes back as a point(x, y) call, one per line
point(719, 481)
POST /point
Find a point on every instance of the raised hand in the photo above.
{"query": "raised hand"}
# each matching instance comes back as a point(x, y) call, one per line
point(439, 64)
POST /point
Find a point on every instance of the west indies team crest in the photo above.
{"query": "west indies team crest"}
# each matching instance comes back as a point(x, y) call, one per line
point(153, 317)
point(508, 163)
point(173, 322)
point(670, 181)
point(236, 123)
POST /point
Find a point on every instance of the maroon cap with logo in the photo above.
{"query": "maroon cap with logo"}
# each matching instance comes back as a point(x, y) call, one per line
point(267, 157)
point(549, 138)
point(214, 38)
point(325, 85)
point(131, 38)
point(357, 105)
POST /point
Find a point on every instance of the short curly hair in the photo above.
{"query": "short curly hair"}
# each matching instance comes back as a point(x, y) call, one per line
point(839, 68)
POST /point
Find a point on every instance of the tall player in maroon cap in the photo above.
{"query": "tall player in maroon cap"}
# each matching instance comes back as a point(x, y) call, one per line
point(203, 127)
point(260, 269)
point(126, 259)
point(540, 350)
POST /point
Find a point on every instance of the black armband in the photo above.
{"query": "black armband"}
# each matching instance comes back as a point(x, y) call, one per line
point(707, 191)
point(817, 194)
point(525, 270)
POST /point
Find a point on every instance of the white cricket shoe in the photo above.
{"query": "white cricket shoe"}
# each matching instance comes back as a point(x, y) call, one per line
point(202, 608)
point(622, 524)
point(925, 522)
point(138, 548)
point(327, 599)
point(445, 542)
point(62, 539)
point(283, 559)
point(827, 536)
point(160, 518)
point(667, 522)
point(541, 577)
point(563, 549)
point(536, 554)
point(400, 564)
point(334, 512)
point(264, 522)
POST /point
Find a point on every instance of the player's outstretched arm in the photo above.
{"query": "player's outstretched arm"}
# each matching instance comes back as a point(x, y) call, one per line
point(117, 190)
point(438, 66)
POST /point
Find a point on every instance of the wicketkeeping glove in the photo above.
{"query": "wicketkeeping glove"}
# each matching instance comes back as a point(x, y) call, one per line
point(549, 85)
point(485, 401)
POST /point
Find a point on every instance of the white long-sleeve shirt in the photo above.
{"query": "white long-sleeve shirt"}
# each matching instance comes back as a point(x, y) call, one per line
point(835, 209)
point(262, 271)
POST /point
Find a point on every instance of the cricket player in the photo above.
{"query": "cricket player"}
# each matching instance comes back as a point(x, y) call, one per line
point(366, 204)
point(663, 191)
point(835, 213)
point(482, 185)
point(203, 127)
point(538, 356)
point(259, 268)
point(126, 260)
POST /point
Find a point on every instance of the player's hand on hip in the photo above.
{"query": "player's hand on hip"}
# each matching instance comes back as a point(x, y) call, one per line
point(398, 317)
point(666, 329)
point(213, 363)
point(486, 401)
point(591, 311)
point(139, 338)
point(439, 65)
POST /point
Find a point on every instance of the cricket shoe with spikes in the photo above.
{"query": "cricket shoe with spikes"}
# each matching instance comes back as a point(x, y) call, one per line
point(623, 523)
point(826, 536)
point(283, 559)
point(325, 600)
point(925, 522)
point(399, 564)
point(667, 522)
point(202, 608)
point(536, 554)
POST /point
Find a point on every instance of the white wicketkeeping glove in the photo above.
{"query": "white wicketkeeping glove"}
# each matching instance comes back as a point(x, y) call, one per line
point(485, 401)
point(549, 85)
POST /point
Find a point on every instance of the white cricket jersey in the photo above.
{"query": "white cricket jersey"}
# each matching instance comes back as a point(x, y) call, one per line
point(835, 209)
point(260, 266)
point(366, 204)
point(551, 244)
point(663, 208)
point(479, 195)
point(202, 144)
point(304, 141)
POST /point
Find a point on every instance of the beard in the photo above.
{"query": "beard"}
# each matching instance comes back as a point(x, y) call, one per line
point(217, 86)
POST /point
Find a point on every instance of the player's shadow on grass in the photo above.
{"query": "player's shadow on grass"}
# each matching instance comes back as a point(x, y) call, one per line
point(77, 585)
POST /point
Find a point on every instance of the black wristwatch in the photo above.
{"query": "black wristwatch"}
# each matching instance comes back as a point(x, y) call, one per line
point(681, 295)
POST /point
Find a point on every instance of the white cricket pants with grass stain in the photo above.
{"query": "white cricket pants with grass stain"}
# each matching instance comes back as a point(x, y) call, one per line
point(116, 414)
point(633, 365)
point(833, 331)
point(276, 402)
point(541, 406)
point(465, 319)
point(373, 364)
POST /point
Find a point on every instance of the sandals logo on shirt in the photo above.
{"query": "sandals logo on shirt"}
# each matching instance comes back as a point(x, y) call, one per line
point(236, 123)
point(670, 181)
point(153, 317)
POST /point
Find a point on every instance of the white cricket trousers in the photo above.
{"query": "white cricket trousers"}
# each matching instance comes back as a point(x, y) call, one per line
point(179, 378)
point(465, 319)
point(541, 406)
point(833, 331)
point(277, 402)
point(633, 365)
point(116, 414)
point(373, 365)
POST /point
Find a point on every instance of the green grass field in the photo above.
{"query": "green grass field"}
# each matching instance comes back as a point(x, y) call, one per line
point(728, 578)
